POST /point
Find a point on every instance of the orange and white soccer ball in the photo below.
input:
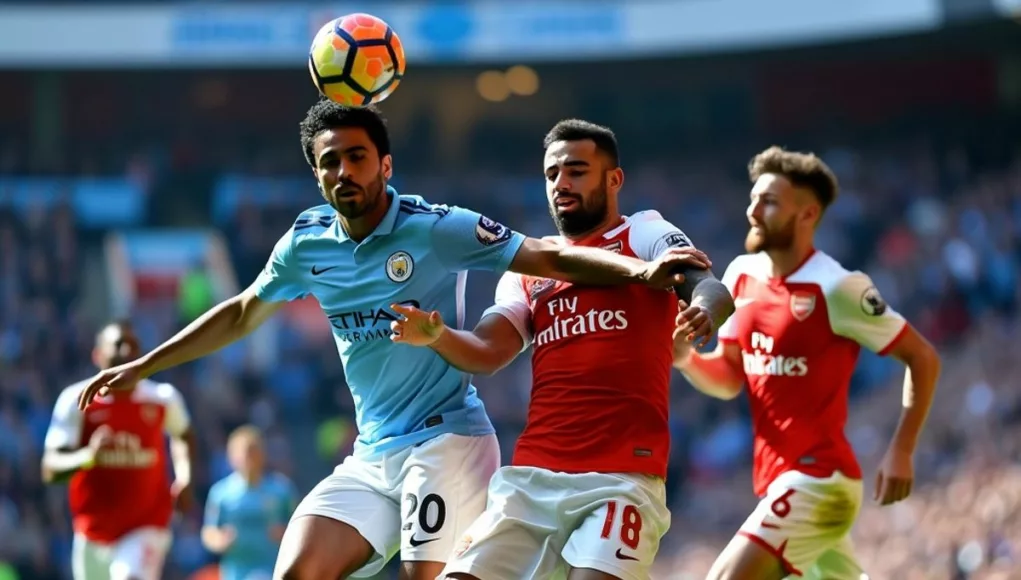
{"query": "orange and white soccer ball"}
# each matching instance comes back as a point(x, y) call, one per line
point(356, 60)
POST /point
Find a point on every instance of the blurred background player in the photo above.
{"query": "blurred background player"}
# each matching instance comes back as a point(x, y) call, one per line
point(801, 320)
point(424, 436)
point(114, 453)
point(585, 495)
point(247, 511)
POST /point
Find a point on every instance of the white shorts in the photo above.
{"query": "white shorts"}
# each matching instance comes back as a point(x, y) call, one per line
point(539, 524)
point(441, 484)
point(805, 522)
point(138, 555)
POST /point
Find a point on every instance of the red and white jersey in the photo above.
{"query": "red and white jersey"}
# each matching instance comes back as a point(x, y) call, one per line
point(601, 361)
point(800, 337)
point(129, 485)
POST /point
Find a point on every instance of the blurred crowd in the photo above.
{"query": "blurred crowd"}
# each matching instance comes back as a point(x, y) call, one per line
point(937, 228)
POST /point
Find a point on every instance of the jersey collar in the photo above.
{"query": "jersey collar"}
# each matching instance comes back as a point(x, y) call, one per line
point(386, 226)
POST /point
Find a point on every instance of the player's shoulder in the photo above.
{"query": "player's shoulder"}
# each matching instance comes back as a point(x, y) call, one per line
point(828, 274)
point(755, 266)
point(67, 400)
point(223, 487)
point(279, 481)
point(416, 205)
point(314, 219)
point(156, 392)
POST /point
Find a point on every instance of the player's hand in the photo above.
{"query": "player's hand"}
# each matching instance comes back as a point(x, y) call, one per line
point(184, 496)
point(416, 327)
point(121, 377)
point(694, 325)
point(895, 477)
point(663, 271)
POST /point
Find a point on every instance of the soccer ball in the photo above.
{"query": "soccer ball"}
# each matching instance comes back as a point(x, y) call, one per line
point(356, 60)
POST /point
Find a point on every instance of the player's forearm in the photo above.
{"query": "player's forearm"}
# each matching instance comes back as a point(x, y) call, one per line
point(470, 353)
point(577, 264)
point(222, 325)
point(919, 388)
point(59, 465)
point(711, 294)
point(182, 455)
point(712, 373)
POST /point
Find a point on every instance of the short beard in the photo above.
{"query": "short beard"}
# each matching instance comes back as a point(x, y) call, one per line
point(586, 217)
point(372, 196)
point(781, 239)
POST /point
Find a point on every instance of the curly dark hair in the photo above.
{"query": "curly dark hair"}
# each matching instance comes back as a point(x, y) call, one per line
point(326, 114)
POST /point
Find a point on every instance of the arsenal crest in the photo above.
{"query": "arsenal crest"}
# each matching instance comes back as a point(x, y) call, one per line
point(802, 305)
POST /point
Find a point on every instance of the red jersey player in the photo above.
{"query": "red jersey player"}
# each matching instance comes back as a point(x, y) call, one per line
point(585, 495)
point(801, 319)
point(121, 498)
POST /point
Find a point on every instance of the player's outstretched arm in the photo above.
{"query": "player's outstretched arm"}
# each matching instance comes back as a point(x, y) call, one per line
point(718, 374)
point(488, 348)
point(584, 265)
point(223, 324)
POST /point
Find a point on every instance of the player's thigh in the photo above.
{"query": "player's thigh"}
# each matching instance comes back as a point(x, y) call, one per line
point(140, 554)
point(747, 557)
point(89, 560)
point(837, 563)
point(800, 519)
point(443, 491)
point(618, 536)
point(346, 526)
point(515, 537)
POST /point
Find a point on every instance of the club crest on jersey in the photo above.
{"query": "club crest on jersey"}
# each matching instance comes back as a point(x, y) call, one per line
point(488, 232)
point(540, 286)
point(399, 266)
point(615, 247)
point(872, 303)
point(802, 305)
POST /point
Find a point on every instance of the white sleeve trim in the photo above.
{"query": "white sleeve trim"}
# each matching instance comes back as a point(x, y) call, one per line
point(65, 430)
point(858, 312)
point(511, 302)
point(651, 235)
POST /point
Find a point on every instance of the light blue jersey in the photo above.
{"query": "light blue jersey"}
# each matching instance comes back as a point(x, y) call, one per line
point(418, 255)
point(252, 511)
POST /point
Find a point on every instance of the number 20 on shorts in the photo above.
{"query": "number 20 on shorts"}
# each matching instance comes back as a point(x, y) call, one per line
point(630, 524)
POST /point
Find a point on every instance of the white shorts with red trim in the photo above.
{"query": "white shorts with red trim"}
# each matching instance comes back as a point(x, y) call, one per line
point(805, 522)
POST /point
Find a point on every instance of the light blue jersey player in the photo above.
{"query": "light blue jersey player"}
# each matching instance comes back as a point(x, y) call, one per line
point(247, 511)
point(426, 449)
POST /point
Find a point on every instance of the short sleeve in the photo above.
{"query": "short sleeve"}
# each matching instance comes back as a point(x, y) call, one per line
point(176, 420)
point(651, 235)
point(213, 516)
point(65, 430)
point(859, 313)
point(728, 332)
point(512, 303)
point(465, 240)
point(281, 280)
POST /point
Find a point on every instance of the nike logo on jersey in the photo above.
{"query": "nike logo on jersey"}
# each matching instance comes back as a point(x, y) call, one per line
point(416, 542)
point(621, 556)
point(739, 302)
point(317, 272)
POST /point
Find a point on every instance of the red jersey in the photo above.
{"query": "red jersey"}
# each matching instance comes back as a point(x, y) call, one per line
point(800, 337)
point(601, 361)
point(129, 485)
